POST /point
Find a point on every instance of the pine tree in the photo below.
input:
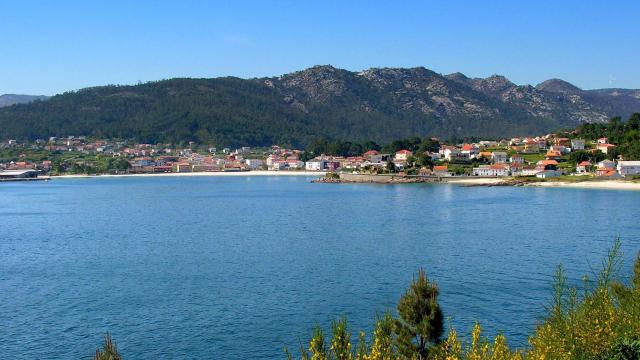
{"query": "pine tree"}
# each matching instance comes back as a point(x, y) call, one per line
point(421, 324)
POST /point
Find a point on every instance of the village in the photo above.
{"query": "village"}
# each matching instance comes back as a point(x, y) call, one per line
point(542, 157)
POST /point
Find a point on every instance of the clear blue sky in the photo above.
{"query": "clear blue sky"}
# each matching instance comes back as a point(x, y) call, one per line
point(48, 47)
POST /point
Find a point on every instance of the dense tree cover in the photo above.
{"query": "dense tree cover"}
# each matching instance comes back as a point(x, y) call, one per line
point(347, 148)
point(340, 148)
point(625, 134)
point(294, 110)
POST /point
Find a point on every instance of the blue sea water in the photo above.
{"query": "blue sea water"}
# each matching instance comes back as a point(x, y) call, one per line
point(239, 267)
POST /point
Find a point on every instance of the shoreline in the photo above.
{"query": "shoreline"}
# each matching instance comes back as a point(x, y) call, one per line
point(593, 184)
point(607, 184)
point(203, 173)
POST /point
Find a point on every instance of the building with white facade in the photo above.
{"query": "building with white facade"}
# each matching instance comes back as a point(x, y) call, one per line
point(628, 168)
point(315, 165)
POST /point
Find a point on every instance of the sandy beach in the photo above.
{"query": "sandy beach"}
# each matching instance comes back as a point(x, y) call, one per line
point(601, 184)
point(592, 184)
point(221, 173)
point(473, 181)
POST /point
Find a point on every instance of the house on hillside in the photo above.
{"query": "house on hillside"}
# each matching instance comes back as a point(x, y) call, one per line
point(402, 155)
point(577, 144)
point(583, 167)
point(498, 157)
point(605, 148)
point(372, 156)
point(518, 159)
point(469, 151)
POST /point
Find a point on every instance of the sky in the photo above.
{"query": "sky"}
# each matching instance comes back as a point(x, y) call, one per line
point(49, 47)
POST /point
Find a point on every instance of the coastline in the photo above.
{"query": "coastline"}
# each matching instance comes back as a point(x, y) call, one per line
point(607, 184)
point(220, 173)
point(470, 181)
point(594, 184)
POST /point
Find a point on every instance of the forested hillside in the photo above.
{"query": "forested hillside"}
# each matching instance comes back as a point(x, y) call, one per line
point(320, 102)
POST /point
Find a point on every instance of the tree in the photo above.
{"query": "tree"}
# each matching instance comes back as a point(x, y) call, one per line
point(421, 325)
point(391, 166)
point(633, 123)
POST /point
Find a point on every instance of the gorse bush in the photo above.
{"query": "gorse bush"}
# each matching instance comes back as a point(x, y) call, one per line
point(600, 321)
point(109, 350)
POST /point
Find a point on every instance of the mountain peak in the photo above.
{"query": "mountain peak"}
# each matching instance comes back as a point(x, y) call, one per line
point(558, 86)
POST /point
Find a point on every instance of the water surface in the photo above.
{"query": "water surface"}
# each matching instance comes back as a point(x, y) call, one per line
point(238, 267)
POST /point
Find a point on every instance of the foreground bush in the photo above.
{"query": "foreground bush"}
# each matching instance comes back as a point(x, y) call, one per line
point(602, 321)
point(109, 350)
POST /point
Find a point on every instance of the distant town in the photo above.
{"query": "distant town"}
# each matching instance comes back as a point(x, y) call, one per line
point(545, 156)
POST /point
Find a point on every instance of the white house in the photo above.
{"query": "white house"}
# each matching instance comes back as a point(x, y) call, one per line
point(577, 144)
point(315, 165)
point(606, 164)
point(295, 164)
point(372, 156)
point(491, 170)
point(451, 153)
point(518, 159)
point(278, 165)
point(605, 147)
point(253, 163)
point(529, 171)
point(629, 168)
point(545, 174)
point(469, 151)
point(499, 157)
point(583, 167)
point(402, 155)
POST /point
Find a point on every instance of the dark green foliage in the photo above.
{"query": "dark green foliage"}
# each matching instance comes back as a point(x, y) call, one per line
point(420, 324)
point(626, 135)
point(625, 349)
point(293, 110)
point(579, 156)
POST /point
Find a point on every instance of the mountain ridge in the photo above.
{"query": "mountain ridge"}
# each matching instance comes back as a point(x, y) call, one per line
point(323, 101)
point(12, 99)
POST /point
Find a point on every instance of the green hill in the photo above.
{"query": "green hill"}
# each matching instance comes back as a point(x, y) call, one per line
point(319, 102)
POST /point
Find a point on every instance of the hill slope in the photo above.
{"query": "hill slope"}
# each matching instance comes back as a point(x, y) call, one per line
point(11, 99)
point(319, 102)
